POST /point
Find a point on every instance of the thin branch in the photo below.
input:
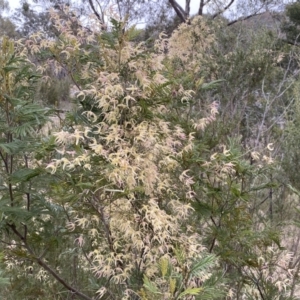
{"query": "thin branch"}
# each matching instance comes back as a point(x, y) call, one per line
point(100, 7)
point(105, 225)
point(11, 195)
point(28, 196)
point(4, 161)
point(119, 9)
point(16, 232)
point(201, 6)
point(214, 239)
point(86, 257)
point(252, 277)
point(179, 10)
point(45, 266)
point(244, 19)
point(67, 70)
point(290, 42)
point(61, 280)
point(95, 11)
point(178, 6)
point(224, 9)
point(66, 213)
point(10, 244)
point(259, 289)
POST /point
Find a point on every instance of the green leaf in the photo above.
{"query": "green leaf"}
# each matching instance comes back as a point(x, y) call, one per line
point(294, 190)
point(210, 293)
point(203, 264)
point(16, 212)
point(13, 147)
point(8, 68)
point(264, 186)
point(150, 286)
point(190, 292)
point(211, 85)
point(164, 266)
point(3, 280)
point(23, 175)
point(85, 185)
point(180, 255)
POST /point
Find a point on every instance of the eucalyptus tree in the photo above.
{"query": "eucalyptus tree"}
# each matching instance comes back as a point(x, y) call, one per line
point(7, 27)
point(150, 12)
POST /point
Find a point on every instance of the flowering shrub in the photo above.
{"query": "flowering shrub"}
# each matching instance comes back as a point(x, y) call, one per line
point(122, 187)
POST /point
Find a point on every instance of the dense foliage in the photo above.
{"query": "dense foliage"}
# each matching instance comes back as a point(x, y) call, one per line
point(149, 170)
